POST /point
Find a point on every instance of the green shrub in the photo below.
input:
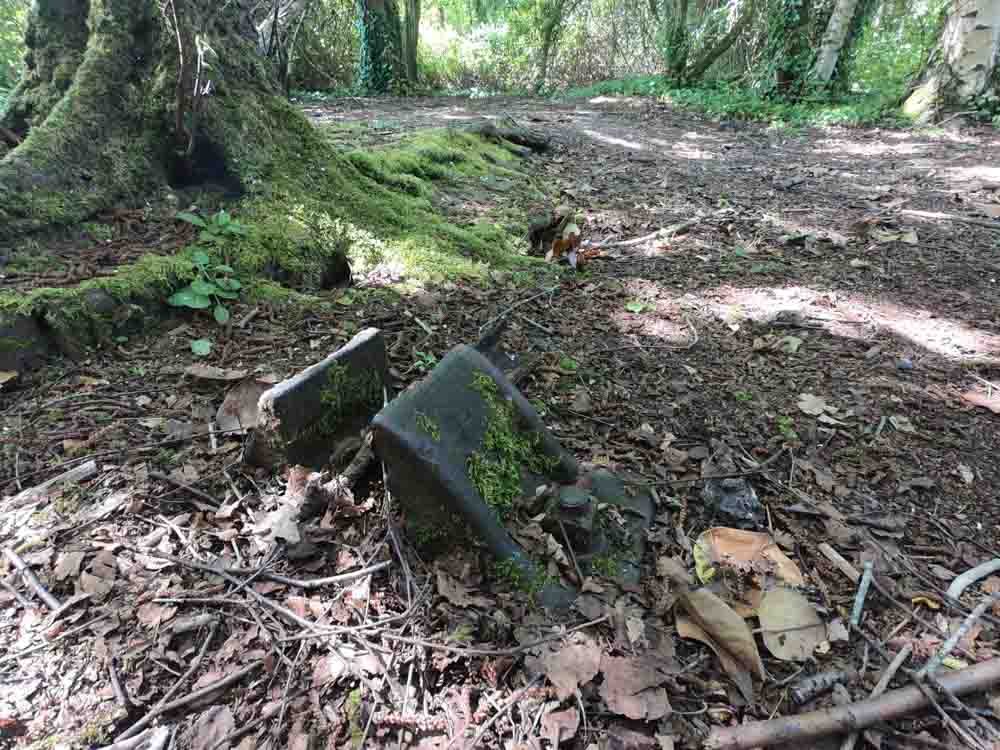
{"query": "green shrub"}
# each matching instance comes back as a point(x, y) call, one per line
point(12, 18)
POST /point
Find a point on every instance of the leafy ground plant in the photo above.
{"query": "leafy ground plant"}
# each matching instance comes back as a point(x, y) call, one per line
point(213, 282)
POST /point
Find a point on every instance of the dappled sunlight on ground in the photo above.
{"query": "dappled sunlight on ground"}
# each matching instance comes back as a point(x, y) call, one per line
point(854, 148)
point(663, 313)
point(610, 139)
point(855, 316)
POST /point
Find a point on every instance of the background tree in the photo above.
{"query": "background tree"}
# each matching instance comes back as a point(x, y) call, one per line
point(963, 71)
point(380, 68)
point(121, 96)
point(833, 40)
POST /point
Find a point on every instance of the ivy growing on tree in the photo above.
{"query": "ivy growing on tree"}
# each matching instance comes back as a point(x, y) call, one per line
point(380, 62)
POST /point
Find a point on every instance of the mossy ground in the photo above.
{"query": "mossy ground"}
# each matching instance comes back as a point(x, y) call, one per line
point(312, 202)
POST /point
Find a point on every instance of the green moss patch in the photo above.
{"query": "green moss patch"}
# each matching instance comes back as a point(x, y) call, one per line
point(496, 468)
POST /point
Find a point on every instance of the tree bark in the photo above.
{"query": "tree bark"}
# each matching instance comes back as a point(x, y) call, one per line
point(381, 66)
point(697, 69)
point(833, 40)
point(964, 66)
point(163, 90)
point(411, 39)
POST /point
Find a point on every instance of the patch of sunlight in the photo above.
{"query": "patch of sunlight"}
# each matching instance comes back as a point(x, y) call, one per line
point(853, 148)
point(858, 317)
point(687, 151)
point(980, 172)
point(613, 141)
point(653, 312)
point(614, 100)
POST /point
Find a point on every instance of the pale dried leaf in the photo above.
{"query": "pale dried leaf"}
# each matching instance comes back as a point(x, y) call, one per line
point(210, 372)
point(791, 626)
point(811, 404)
point(560, 726)
point(239, 409)
point(571, 666)
point(458, 593)
point(211, 727)
point(631, 688)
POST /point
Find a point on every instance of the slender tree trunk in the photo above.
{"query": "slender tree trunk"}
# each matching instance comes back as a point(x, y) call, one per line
point(833, 40)
point(163, 90)
point(551, 26)
point(411, 41)
point(964, 66)
point(697, 69)
point(381, 64)
point(678, 40)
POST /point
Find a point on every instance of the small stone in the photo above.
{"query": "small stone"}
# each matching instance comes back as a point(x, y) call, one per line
point(904, 363)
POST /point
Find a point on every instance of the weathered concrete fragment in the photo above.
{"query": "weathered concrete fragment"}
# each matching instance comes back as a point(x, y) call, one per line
point(301, 420)
point(461, 447)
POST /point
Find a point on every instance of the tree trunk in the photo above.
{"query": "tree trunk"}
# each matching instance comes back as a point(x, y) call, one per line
point(793, 63)
point(163, 91)
point(381, 65)
point(833, 40)
point(552, 20)
point(697, 69)
point(55, 41)
point(964, 66)
point(678, 40)
point(411, 41)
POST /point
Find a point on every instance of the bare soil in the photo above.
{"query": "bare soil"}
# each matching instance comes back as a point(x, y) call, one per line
point(823, 302)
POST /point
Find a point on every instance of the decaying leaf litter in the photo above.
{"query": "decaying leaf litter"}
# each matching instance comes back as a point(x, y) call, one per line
point(792, 300)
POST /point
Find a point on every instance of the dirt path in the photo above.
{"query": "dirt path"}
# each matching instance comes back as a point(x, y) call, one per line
point(800, 316)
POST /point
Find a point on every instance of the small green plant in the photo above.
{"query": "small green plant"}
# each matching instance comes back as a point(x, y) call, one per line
point(213, 282)
point(786, 426)
point(743, 396)
point(605, 567)
point(429, 425)
point(568, 364)
point(424, 361)
point(201, 347)
point(519, 578)
point(636, 306)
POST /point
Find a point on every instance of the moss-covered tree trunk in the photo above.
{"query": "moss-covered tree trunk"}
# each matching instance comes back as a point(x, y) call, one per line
point(123, 95)
point(411, 30)
point(380, 66)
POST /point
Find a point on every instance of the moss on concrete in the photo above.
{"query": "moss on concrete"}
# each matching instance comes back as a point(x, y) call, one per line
point(496, 468)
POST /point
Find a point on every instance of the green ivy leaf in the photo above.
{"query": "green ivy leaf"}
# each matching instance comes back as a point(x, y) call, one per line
point(206, 288)
point(227, 295)
point(201, 347)
point(223, 268)
point(200, 258)
point(221, 314)
point(236, 228)
point(222, 218)
point(230, 284)
point(635, 307)
point(191, 218)
point(188, 297)
point(209, 236)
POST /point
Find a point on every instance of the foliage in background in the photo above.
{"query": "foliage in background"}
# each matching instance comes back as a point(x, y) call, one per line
point(12, 19)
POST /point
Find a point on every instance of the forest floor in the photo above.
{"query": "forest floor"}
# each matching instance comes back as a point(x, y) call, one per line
point(824, 302)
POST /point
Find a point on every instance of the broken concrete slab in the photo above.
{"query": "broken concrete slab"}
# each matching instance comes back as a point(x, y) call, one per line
point(460, 448)
point(301, 420)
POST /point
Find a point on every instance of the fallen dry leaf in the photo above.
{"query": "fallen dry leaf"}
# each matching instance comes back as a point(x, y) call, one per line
point(571, 666)
point(560, 726)
point(210, 372)
point(985, 400)
point(724, 626)
point(631, 688)
point(458, 593)
point(811, 404)
point(239, 409)
point(740, 675)
point(746, 552)
point(211, 727)
point(791, 626)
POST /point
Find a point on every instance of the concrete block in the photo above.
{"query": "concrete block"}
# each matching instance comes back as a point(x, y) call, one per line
point(301, 420)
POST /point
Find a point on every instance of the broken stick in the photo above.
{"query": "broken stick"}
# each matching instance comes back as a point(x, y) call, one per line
point(853, 717)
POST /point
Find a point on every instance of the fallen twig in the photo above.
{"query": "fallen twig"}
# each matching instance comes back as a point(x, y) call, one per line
point(207, 499)
point(859, 599)
point(969, 577)
point(953, 640)
point(853, 717)
point(158, 708)
point(881, 686)
point(76, 474)
point(839, 562)
point(29, 577)
point(511, 702)
point(151, 739)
